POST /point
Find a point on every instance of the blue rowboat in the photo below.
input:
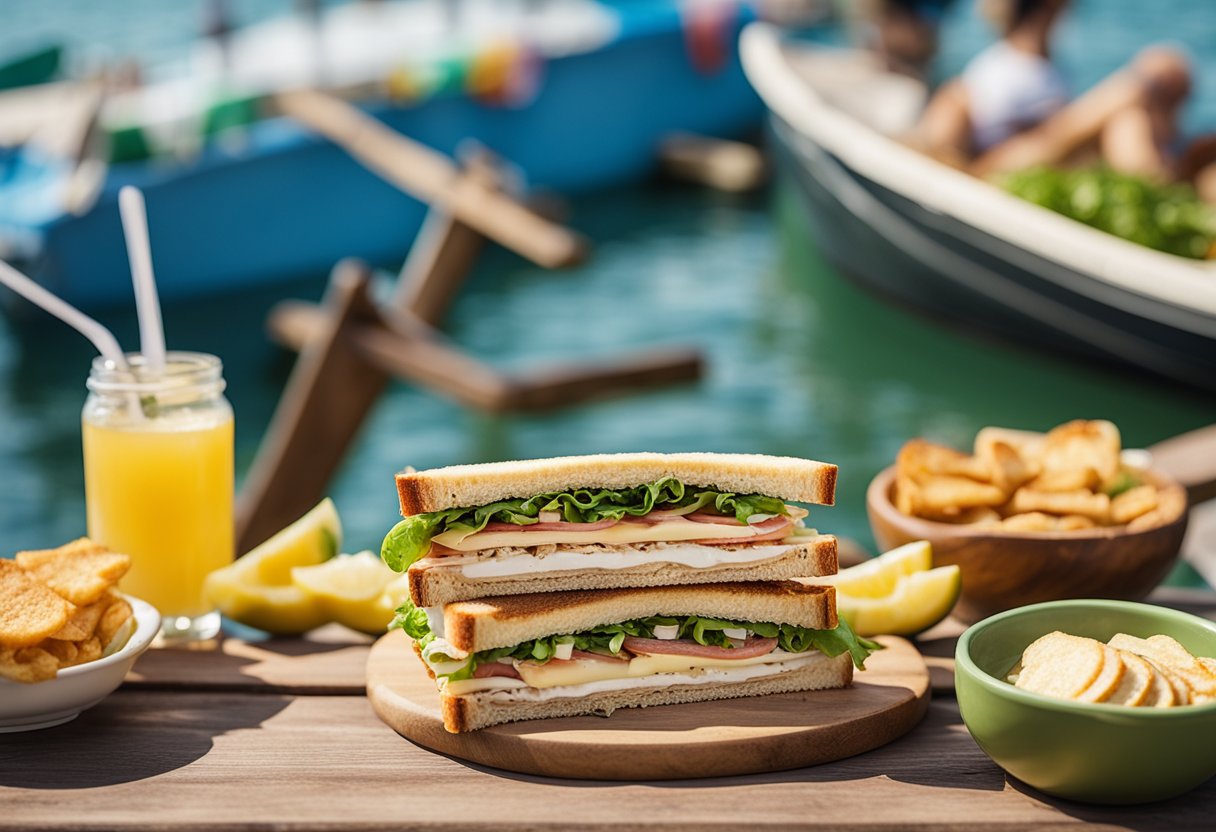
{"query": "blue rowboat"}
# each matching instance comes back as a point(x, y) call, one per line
point(271, 201)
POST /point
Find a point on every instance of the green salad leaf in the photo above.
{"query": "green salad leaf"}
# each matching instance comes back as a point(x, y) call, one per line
point(410, 539)
point(610, 638)
point(1166, 217)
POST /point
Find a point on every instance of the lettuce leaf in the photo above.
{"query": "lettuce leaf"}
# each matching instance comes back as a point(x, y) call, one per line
point(610, 638)
point(410, 539)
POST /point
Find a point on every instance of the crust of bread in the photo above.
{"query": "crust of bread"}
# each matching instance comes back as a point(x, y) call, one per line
point(436, 586)
point(479, 710)
point(504, 621)
point(456, 486)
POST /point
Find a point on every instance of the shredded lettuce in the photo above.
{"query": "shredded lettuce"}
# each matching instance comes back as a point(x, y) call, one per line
point(610, 638)
point(410, 539)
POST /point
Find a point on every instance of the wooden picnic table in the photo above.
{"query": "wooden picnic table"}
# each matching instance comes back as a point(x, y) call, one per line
point(278, 735)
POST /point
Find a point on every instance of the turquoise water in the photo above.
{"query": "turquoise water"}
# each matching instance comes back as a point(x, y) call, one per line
point(800, 361)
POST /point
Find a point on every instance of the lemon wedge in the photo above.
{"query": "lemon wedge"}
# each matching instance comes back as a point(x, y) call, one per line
point(897, 592)
point(257, 589)
point(351, 589)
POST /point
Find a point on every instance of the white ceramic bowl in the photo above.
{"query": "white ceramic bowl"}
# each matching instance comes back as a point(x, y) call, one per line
point(25, 707)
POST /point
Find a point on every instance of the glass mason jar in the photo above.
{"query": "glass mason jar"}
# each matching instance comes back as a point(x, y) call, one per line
point(158, 476)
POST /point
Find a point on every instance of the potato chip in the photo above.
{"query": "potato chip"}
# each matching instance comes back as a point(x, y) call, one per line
point(28, 665)
point(1137, 682)
point(87, 650)
point(1108, 679)
point(112, 620)
point(63, 651)
point(921, 459)
point(907, 495)
point(1085, 503)
point(1061, 665)
point(1172, 658)
point(83, 622)
point(1133, 503)
point(1074, 523)
point(30, 612)
point(1171, 504)
point(80, 571)
point(1161, 694)
point(979, 515)
point(1083, 444)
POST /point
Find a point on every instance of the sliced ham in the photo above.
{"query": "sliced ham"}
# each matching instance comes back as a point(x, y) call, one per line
point(776, 528)
point(484, 671)
point(751, 648)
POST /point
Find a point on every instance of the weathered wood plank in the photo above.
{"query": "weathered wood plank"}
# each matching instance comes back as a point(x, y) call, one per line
point(178, 761)
point(331, 660)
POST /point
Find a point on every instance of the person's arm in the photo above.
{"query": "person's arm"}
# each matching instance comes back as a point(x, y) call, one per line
point(1058, 137)
point(944, 130)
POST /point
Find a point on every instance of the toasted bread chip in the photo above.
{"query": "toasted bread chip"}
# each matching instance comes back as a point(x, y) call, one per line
point(921, 459)
point(1028, 444)
point(944, 493)
point(29, 612)
point(1137, 682)
point(87, 651)
point(1171, 504)
point(1007, 469)
point(1108, 679)
point(1083, 444)
point(83, 622)
point(115, 616)
point(1085, 503)
point(1068, 479)
point(28, 665)
point(63, 651)
point(1133, 503)
point(1061, 665)
point(80, 571)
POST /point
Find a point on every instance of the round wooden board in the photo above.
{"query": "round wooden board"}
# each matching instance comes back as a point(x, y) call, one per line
point(701, 739)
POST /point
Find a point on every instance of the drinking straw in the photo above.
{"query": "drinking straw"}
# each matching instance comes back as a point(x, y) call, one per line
point(139, 251)
point(101, 337)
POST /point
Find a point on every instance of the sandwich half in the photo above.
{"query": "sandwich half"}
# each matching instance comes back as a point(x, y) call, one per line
point(608, 521)
point(556, 654)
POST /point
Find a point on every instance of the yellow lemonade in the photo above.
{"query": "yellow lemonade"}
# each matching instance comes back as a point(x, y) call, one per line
point(161, 491)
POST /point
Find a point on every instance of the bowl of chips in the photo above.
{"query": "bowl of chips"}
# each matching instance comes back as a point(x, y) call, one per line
point(67, 636)
point(1110, 701)
point(1032, 517)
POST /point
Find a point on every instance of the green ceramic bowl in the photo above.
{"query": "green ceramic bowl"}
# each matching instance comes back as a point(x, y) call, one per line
point(1089, 752)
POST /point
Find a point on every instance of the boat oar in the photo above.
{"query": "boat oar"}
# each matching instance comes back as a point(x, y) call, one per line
point(431, 177)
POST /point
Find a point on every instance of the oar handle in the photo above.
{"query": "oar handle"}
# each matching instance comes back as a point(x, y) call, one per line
point(1190, 459)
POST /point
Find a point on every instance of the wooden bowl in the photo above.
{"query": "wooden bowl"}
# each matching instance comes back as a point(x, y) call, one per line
point(1002, 570)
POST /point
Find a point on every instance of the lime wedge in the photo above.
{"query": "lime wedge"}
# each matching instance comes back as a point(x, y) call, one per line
point(878, 576)
point(349, 589)
point(916, 603)
point(257, 589)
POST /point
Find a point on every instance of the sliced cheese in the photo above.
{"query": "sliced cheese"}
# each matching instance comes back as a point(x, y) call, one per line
point(553, 674)
point(474, 685)
point(740, 671)
point(618, 535)
point(519, 561)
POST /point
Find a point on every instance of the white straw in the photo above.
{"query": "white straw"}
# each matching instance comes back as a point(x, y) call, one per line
point(101, 337)
point(139, 251)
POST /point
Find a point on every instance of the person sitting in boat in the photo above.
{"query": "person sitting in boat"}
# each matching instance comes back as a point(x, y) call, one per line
point(1010, 108)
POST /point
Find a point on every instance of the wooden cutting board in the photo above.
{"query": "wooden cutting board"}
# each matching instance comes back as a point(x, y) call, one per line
point(702, 739)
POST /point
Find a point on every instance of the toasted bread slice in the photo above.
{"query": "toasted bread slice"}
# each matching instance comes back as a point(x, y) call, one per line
point(434, 583)
point(479, 710)
point(504, 621)
point(458, 486)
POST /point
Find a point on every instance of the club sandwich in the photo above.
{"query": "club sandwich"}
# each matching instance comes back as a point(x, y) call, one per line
point(608, 521)
point(557, 654)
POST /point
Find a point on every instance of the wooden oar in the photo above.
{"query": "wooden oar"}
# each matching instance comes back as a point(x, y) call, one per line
point(1190, 459)
point(432, 177)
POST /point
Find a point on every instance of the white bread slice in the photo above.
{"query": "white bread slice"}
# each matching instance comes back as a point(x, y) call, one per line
point(504, 621)
point(479, 710)
point(475, 485)
point(433, 586)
